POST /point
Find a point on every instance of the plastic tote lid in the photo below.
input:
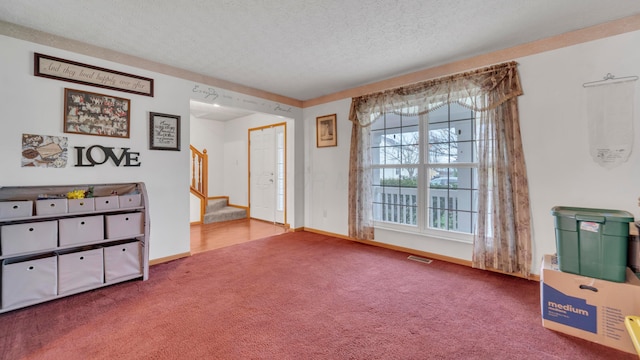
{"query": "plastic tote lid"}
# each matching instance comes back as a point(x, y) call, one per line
point(578, 213)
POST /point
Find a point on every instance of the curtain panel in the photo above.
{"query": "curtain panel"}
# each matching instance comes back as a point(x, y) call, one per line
point(503, 235)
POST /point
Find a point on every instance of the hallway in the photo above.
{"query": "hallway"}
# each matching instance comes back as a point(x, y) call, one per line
point(206, 237)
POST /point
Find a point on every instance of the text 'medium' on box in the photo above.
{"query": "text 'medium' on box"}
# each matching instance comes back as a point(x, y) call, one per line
point(588, 308)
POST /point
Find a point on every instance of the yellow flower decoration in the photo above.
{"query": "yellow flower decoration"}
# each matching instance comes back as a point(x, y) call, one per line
point(75, 194)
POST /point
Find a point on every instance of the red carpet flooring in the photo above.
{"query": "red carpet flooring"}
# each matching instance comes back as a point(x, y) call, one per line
point(297, 296)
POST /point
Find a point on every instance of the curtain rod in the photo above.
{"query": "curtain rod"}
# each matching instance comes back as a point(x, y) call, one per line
point(608, 77)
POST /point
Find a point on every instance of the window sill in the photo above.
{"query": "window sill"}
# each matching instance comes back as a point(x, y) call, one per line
point(431, 234)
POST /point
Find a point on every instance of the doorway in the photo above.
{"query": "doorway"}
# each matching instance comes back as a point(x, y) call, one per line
point(267, 169)
point(223, 132)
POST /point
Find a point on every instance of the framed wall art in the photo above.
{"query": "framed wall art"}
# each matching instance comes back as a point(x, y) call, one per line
point(326, 131)
point(164, 131)
point(72, 71)
point(90, 113)
point(44, 151)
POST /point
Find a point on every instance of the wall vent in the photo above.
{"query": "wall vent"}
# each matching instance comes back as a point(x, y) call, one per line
point(419, 259)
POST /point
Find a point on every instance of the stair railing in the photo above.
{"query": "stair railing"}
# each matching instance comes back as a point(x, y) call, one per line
point(200, 176)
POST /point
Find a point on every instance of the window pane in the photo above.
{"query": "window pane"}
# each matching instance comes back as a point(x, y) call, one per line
point(466, 178)
point(453, 199)
point(376, 145)
point(438, 217)
point(462, 178)
point(409, 205)
point(392, 120)
point(391, 154)
point(385, 177)
point(378, 124)
point(395, 195)
point(463, 221)
point(458, 112)
point(439, 153)
point(438, 115)
point(439, 142)
point(410, 149)
point(280, 171)
point(461, 140)
point(442, 178)
point(464, 199)
point(410, 121)
point(395, 146)
point(450, 135)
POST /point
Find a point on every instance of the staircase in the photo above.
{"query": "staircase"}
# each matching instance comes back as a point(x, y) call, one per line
point(218, 210)
point(215, 209)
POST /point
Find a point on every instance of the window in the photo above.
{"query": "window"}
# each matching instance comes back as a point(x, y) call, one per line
point(424, 170)
point(280, 168)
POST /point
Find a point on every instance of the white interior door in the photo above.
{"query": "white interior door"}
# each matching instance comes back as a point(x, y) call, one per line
point(266, 174)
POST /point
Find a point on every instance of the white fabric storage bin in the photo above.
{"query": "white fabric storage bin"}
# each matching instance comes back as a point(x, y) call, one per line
point(81, 205)
point(123, 225)
point(20, 238)
point(80, 270)
point(121, 261)
point(51, 206)
point(80, 230)
point(107, 202)
point(15, 209)
point(129, 201)
point(25, 281)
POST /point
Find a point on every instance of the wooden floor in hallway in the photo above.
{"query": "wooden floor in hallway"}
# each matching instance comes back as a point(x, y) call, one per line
point(206, 237)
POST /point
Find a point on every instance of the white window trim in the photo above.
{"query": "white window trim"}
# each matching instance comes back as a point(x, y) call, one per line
point(427, 233)
point(422, 228)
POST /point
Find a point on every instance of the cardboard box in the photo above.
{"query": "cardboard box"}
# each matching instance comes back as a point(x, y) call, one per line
point(633, 254)
point(588, 308)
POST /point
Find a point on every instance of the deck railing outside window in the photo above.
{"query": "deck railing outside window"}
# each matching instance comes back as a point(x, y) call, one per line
point(444, 210)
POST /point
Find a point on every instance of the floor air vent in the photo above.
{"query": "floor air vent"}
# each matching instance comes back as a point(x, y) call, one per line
point(419, 259)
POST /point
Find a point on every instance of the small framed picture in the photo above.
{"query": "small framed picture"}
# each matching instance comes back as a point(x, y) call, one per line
point(326, 131)
point(164, 131)
point(90, 113)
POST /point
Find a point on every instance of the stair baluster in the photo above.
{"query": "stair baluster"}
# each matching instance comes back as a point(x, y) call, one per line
point(200, 177)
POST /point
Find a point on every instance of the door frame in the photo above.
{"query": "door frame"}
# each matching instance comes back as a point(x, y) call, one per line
point(284, 125)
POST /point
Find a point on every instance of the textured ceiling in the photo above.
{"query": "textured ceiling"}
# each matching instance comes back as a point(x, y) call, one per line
point(304, 49)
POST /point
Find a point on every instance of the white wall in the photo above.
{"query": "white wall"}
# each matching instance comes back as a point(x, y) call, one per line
point(228, 159)
point(208, 135)
point(554, 133)
point(554, 126)
point(34, 105)
point(236, 147)
point(327, 171)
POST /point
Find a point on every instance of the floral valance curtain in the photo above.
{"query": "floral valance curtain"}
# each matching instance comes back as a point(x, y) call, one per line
point(468, 89)
point(502, 239)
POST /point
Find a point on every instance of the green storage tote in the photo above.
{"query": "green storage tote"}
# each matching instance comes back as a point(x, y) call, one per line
point(592, 242)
